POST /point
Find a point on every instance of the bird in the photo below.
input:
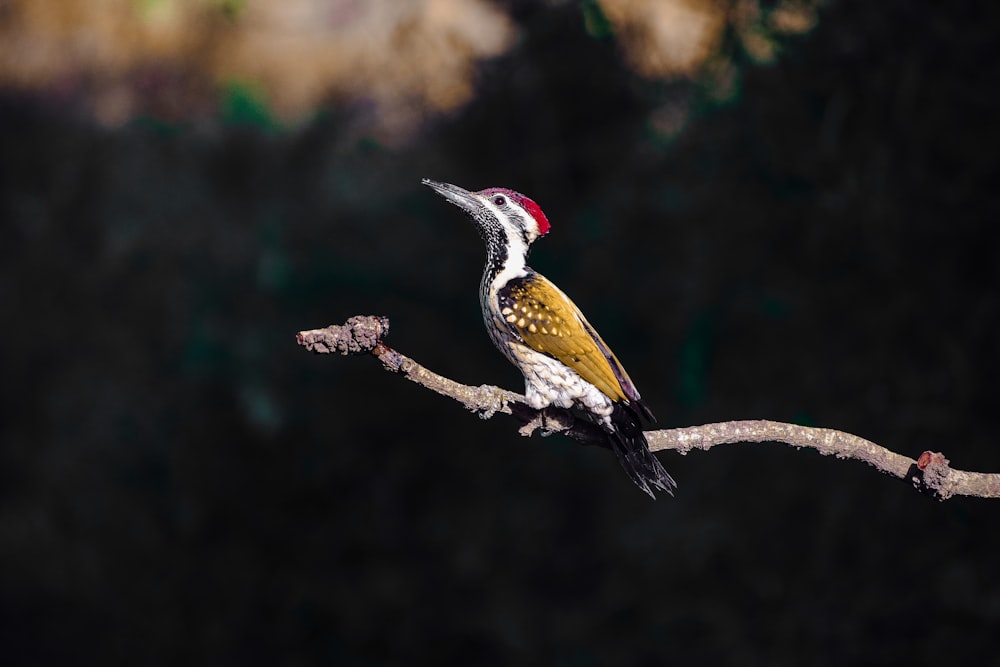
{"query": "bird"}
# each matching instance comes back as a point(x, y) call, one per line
point(541, 331)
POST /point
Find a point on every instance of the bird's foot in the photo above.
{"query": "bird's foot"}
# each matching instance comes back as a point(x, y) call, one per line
point(548, 421)
point(493, 401)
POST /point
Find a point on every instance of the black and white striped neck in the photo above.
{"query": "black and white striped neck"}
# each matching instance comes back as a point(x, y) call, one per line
point(505, 261)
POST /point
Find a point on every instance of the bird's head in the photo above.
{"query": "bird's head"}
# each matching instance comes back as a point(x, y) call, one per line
point(504, 217)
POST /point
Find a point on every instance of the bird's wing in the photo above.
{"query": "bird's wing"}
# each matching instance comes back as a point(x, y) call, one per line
point(549, 322)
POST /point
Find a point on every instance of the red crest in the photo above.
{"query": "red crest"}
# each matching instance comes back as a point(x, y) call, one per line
point(528, 204)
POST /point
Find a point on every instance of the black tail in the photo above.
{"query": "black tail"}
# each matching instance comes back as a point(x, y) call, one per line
point(629, 444)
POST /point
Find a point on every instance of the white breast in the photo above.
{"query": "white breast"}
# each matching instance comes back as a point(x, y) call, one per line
point(550, 382)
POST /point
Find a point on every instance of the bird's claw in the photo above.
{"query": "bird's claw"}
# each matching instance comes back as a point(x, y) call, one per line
point(494, 402)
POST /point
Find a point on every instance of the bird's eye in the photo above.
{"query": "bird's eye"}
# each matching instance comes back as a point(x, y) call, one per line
point(500, 200)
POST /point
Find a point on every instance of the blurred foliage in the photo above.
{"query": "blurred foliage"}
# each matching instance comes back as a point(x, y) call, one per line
point(400, 62)
point(246, 104)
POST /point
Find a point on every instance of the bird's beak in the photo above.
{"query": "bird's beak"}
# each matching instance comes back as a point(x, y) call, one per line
point(464, 199)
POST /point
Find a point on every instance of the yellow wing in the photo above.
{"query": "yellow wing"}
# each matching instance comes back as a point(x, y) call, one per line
point(548, 322)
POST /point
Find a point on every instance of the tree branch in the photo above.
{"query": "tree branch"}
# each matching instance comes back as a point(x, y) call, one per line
point(930, 473)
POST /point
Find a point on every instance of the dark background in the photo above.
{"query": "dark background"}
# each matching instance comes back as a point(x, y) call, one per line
point(181, 484)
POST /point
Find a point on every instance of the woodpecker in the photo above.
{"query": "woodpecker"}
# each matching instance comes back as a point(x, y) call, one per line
point(564, 361)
